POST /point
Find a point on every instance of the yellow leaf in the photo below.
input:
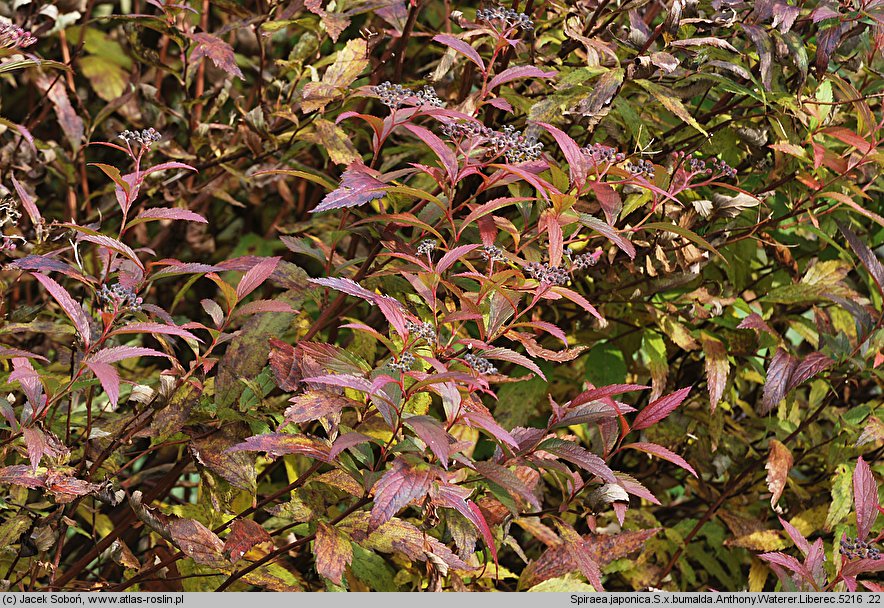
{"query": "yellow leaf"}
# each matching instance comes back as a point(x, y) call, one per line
point(763, 540)
point(757, 576)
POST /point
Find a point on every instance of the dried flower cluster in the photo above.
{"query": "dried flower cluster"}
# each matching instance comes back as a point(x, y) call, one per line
point(395, 96)
point(550, 275)
point(586, 261)
point(506, 16)
point(854, 548)
point(423, 330)
point(641, 167)
point(717, 166)
point(9, 213)
point(600, 153)
point(14, 37)
point(120, 298)
point(405, 362)
point(144, 138)
point(493, 253)
point(517, 148)
point(480, 364)
point(426, 247)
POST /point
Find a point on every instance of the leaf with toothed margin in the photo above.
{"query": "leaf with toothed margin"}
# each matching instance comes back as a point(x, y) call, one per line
point(358, 186)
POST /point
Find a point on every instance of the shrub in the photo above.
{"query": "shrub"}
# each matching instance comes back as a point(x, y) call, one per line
point(508, 297)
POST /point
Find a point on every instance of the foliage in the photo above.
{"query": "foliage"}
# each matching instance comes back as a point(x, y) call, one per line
point(404, 296)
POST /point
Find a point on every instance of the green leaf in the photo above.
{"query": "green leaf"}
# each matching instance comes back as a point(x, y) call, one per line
point(672, 103)
point(605, 365)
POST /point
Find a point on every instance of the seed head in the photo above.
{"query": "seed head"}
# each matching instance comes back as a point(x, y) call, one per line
point(480, 364)
point(395, 96)
point(507, 17)
point(493, 254)
point(426, 247)
point(546, 274)
point(9, 213)
point(145, 138)
point(642, 167)
point(120, 298)
point(423, 330)
point(405, 362)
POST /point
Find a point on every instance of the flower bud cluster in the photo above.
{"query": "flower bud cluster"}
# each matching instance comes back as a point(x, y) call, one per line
point(405, 362)
point(9, 213)
point(395, 96)
point(423, 330)
point(120, 298)
point(600, 153)
point(507, 16)
point(144, 138)
point(642, 167)
point(493, 254)
point(12, 37)
point(426, 247)
point(586, 261)
point(480, 364)
point(550, 275)
point(517, 148)
point(854, 548)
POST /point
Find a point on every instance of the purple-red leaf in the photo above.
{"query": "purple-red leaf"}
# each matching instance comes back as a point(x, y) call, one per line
point(580, 552)
point(109, 378)
point(244, 534)
point(281, 444)
point(807, 368)
point(333, 552)
point(446, 155)
point(865, 255)
point(431, 432)
point(358, 186)
point(659, 409)
point(782, 364)
point(316, 404)
point(606, 391)
point(253, 279)
point(796, 536)
point(166, 167)
point(664, 453)
point(155, 328)
point(582, 457)
point(168, 213)
point(865, 498)
point(215, 49)
point(452, 256)
point(71, 308)
point(398, 487)
point(27, 202)
point(517, 72)
point(461, 47)
point(578, 164)
point(118, 353)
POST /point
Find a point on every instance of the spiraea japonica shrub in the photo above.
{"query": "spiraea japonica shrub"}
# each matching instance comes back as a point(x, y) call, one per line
point(412, 296)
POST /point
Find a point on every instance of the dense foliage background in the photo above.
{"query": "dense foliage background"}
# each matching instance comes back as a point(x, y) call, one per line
point(406, 295)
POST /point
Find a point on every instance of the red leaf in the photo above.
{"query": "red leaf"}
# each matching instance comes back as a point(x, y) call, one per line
point(580, 552)
point(507, 480)
point(109, 378)
point(779, 371)
point(253, 279)
point(556, 240)
point(281, 444)
point(119, 353)
point(606, 391)
point(865, 498)
point(664, 453)
point(788, 562)
point(865, 255)
point(166, 167)
point(578, 165)
point(583, 458)
point(577, 299)
point(608, 198)
point(154, 328)
point(796, 536)
point(168, 213)
point(717, 367)
point(21, 475)
point(333, 552)
point(850, 138)
point(516, 73)
point(754, 321)
point(35, 442)
point(608, 232)
point(659, 409)
point(398, 487)
point(9, 353)
point(452, 256)
point(807, 368)
point(244, 534)
point(431, 432)
point(357, 187)
point(461, 47)
point(455, 497)
point(112, 244)
point(71, 308)
point(505, 354)
point(479, 521)
point(285, 368)
point(27, 202)
point(215, 49)
point(446, 155)
point(346, 441)
point(316, 404)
